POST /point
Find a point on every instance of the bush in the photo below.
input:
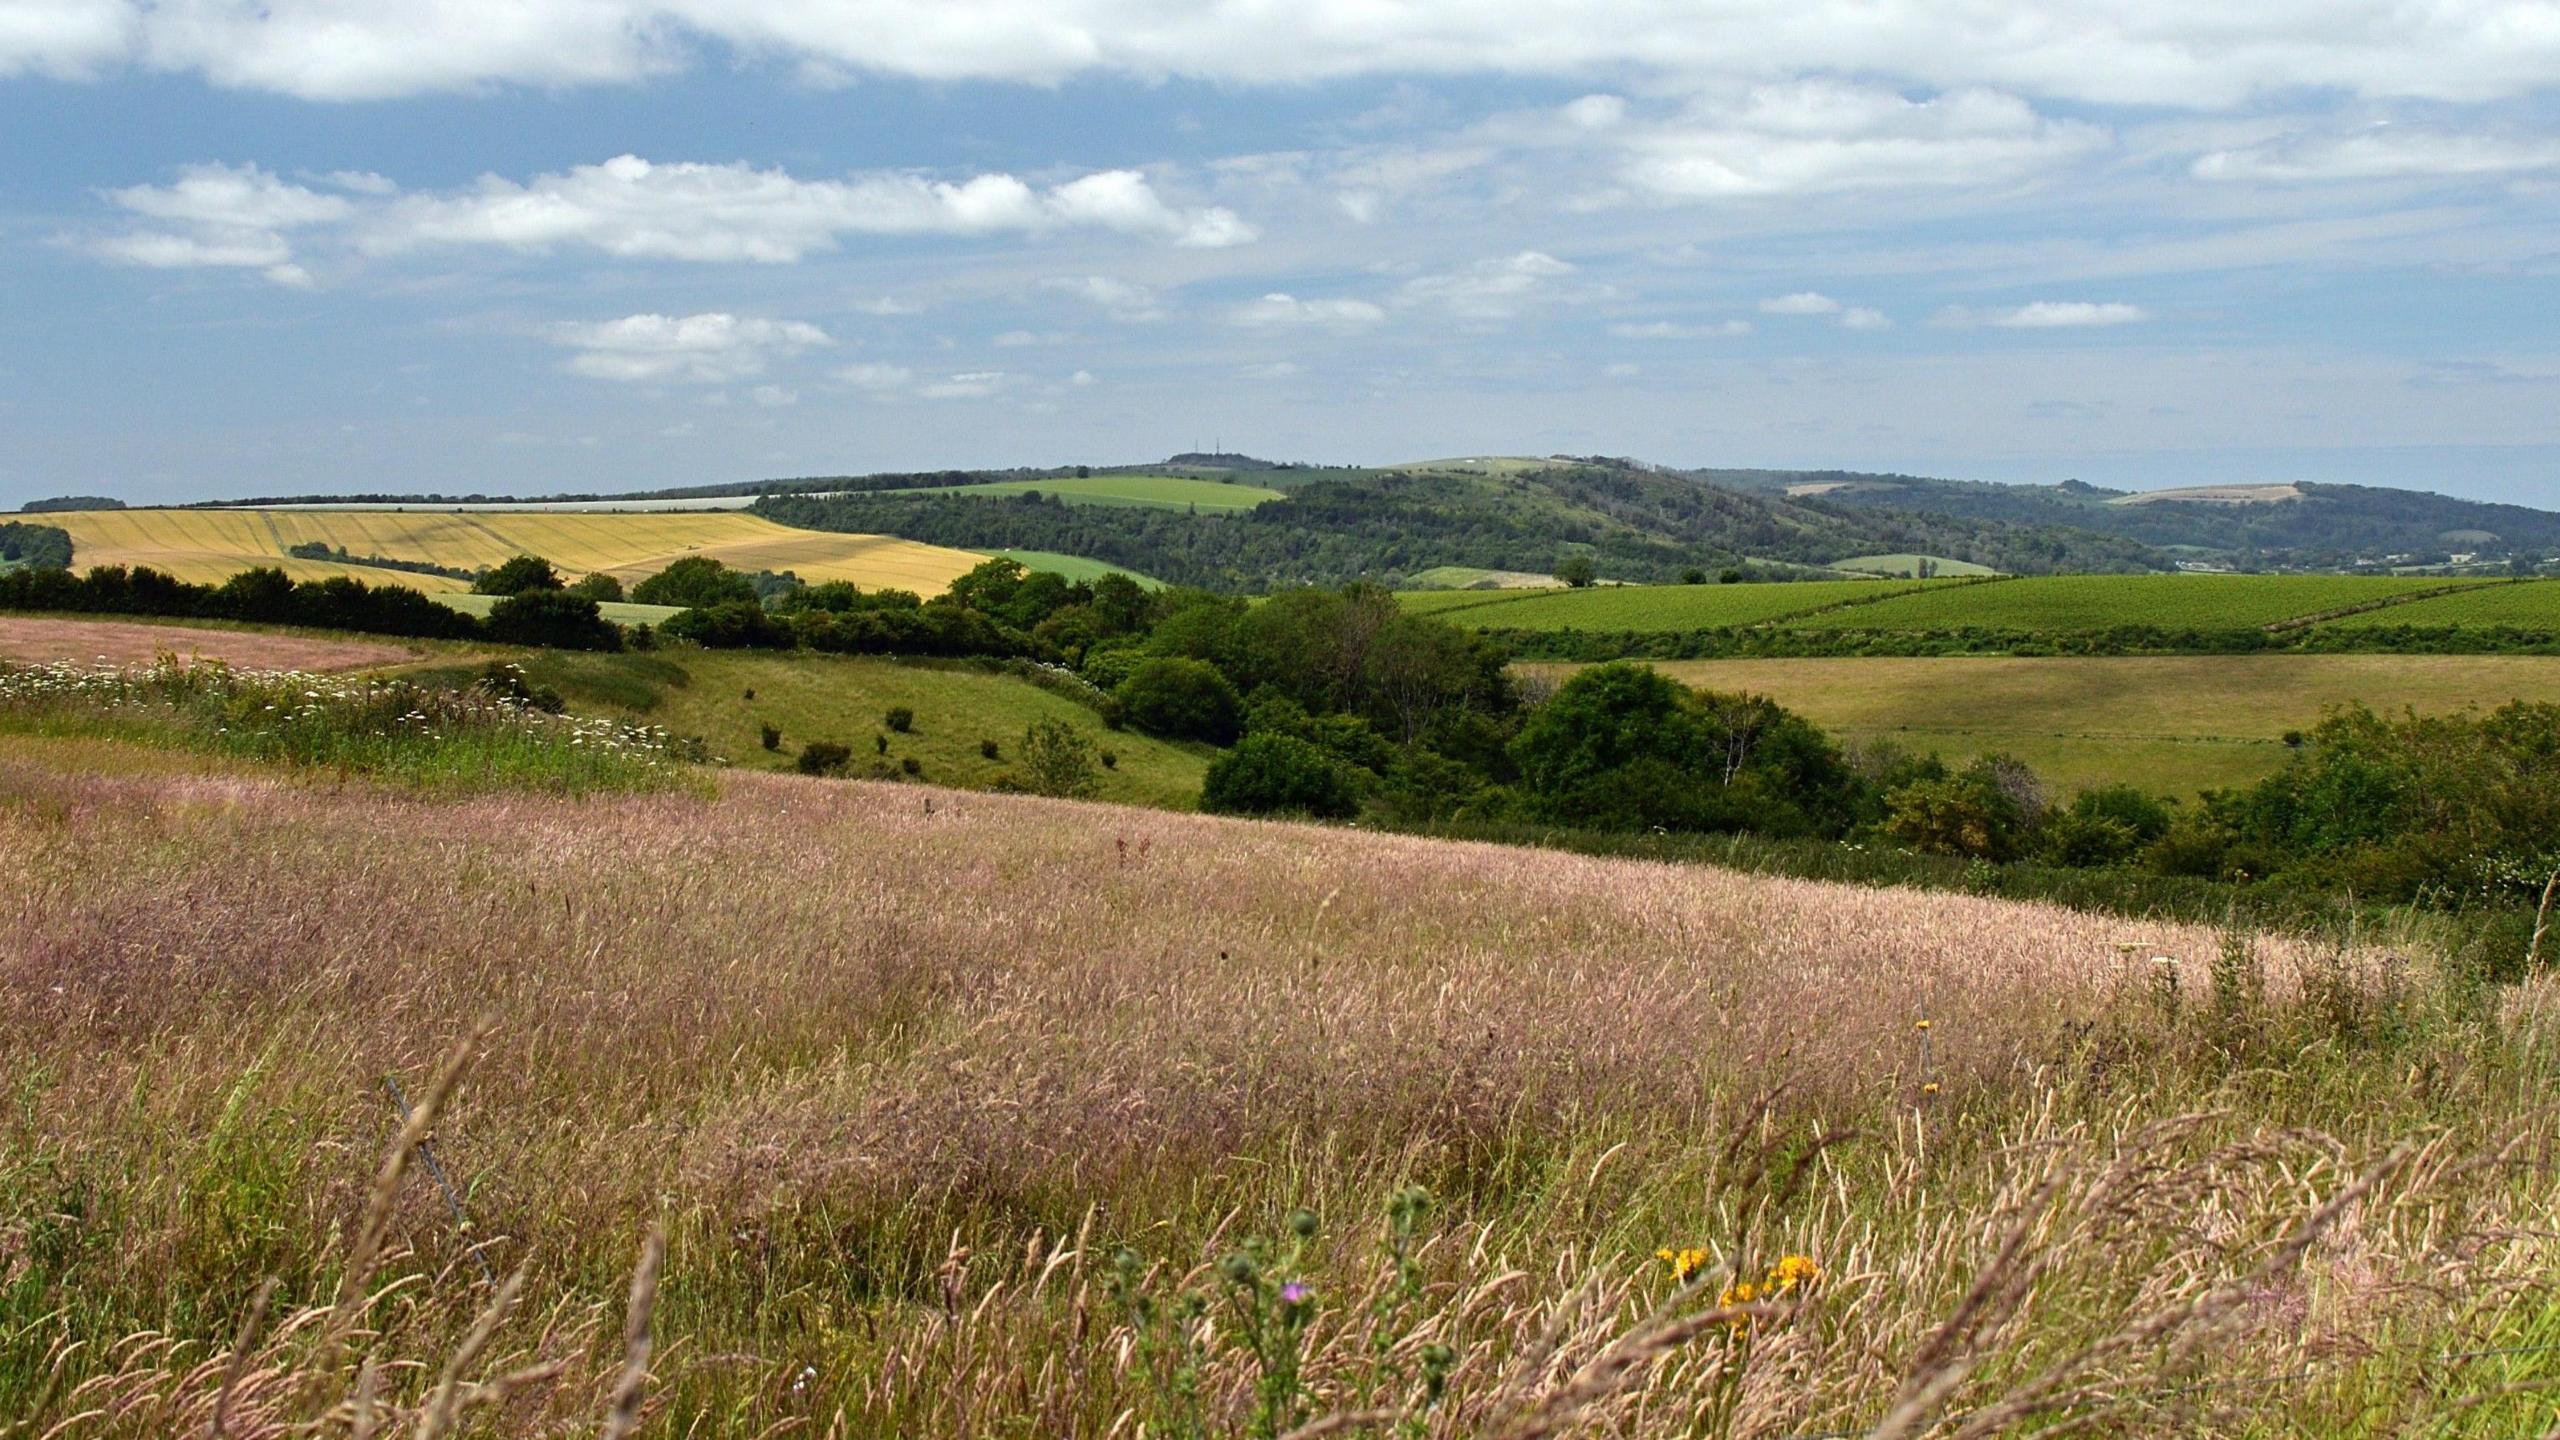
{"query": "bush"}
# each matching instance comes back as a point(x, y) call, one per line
point(1578, 572)
point(599, 587)
point(1181, 700)
point(899, 718)
point(990, 750)
point(1110, 759)
point(824, 757)
point(879, 744)
point(771, 737)
point(554, 618)
point(524, 572)
point(1279, 774)
point(696, 582)
point(736, 625)
point(913, 766)
point(506, 681)
point(1056, 760)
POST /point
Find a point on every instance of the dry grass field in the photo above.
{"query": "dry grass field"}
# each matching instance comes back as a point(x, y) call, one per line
point(30, 638)
point(958, 1119)
point(211, 545)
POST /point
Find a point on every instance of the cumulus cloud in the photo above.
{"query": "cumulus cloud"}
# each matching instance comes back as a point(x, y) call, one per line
point(1281, 310)
point(2381, 152)
point(1493, 289)
point(1120, 299)
point(218, 216)
point(1803, 302)
point(2146, 52)
point(873, 375)
point(1862, 317)
point(2048, 315)
point(710, 348)
point(1821, 136)
point(631, 207)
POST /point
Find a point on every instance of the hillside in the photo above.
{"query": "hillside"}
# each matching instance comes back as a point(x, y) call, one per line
point(2301, 524)
point(1634, 522)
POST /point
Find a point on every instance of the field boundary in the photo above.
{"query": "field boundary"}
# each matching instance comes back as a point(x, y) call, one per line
point(2299, 622)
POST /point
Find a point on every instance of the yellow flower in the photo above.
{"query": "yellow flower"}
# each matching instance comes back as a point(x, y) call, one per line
point(1929, 1089)
point(1793, 1272)
point(1684, 1262)
point(1922, 1025)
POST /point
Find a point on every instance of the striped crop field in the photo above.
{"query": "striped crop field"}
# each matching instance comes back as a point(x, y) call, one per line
point(2525, 605)
point(1172, 492)
point(2073, 603)
point(212, 545)
point(1667, 608)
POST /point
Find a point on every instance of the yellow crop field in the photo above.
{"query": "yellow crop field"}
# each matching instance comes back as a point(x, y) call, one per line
point(212, 545)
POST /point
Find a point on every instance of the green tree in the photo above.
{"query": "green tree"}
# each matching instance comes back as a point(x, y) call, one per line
point(516, 576)
point(1181, 700)
point(553, 618)
point(599, 587)
point(1578, 571)
point(1055, 759)
point(1278, 774)
point(696, 582)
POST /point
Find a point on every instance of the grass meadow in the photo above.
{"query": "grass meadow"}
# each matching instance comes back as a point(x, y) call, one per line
point(2173, 725)
point(799, 1109)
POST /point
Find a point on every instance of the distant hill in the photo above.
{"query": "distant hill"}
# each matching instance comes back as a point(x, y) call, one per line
point(2298, 524)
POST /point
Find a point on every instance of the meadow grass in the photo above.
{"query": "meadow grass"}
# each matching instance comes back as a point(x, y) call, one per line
point(995, 1120)
point(2174, 725)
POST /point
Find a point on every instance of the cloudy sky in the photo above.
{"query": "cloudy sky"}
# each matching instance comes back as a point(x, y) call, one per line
point(269, 246)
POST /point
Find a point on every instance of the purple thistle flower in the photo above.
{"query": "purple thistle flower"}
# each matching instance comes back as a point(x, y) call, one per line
point(1294, 1293)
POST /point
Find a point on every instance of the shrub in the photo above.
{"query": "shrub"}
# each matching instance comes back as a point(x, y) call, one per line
point(516, 576)
point(1279, 774)
point(1110, 759)
point(879, 744)
point(824, 757)
point(990, 750)
point(1055, 759)
point(1578, 571)
point(506, 681)
point(913, 766)
point(1182, 700)
point(552, 617)
point(735, 625)
point(771, 737)
point(696, 582)
point(899, 718)
point(598, 587)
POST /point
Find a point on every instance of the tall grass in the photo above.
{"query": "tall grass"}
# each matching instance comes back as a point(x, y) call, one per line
point(395, 729)
point(995, 1117)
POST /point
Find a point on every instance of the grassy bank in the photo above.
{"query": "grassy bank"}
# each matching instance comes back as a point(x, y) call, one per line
point(946, 1119)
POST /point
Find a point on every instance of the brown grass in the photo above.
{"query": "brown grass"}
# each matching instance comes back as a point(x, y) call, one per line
point(896, 1083)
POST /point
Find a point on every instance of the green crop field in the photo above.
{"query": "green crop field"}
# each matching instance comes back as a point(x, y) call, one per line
point(2169, 724)
point(620, 612)
point(2527, 605)
point(1074, 567)
point(1173, 492)
point(1645, 607)
point(842, 698)
point(2063, 603)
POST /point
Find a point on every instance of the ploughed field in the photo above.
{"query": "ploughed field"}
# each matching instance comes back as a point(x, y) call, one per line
point(946, 1113)
point(2051, 605)
point(209, 546)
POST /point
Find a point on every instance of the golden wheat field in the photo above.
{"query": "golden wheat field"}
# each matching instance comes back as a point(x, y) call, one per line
point(212, 545)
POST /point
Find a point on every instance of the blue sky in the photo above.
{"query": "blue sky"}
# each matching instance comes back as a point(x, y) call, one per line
point(535, 245)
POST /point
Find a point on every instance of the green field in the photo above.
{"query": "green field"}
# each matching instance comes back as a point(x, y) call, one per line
point(842, 698)
point(1172, 492)
point(2170, 724)
point(2062, 603)
point(1907, 567)
point(1074, 567)
point(620, 612)
point(2527, 605)
point(1646, 607)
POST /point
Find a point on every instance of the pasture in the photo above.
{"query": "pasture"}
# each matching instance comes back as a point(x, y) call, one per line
point(1648, 607)
point(2173, 725)
point(2524, 605)
point(944, 1117)
point(209, 546)
point(2098, 602)
point(1074, 567)
point(1172, 492)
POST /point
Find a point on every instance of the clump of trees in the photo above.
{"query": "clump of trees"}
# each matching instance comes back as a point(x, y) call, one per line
point(268, 596)
point(45, 547)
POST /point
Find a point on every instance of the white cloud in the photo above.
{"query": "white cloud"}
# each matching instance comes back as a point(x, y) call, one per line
point(887, 305)
point(2381, 152)
point(1823, 136)
point(2145, 52)
point(1120, 299)
point(1283, 310)
point(1673, 330)
point(972, 385)
point(1082, 378)
point(2048, 315)
point(1803, 302)
point(1863, 318)
point(219, 216)
point(875, 376)
point(710, 348)
point(1493, 289)
point(631, 207)
point(774, 397)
